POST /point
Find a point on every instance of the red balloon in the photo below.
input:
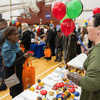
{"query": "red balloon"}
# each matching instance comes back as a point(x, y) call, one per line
point(59, 10)
point(67, 26)
point(96, 10)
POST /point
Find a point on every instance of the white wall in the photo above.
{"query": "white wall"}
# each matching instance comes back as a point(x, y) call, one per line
point(88, 5)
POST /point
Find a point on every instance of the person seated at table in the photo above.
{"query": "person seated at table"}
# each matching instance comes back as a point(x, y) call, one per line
point(13, 57)
point(90, 82)
point(34, 30)
point(26, 39)
point(58, 45)
point(42, 34)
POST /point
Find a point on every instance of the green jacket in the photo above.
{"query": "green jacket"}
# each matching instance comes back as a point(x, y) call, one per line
point(90, 83)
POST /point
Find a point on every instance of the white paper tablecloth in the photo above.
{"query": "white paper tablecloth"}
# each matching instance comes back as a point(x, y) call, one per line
point(78, 61)
point(48, 84)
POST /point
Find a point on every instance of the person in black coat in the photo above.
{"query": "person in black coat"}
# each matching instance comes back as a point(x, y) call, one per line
point(13, 58)
point(58, 45)
point(26, 39)
point(49, 34)
point(72, 46)
point(53, 41)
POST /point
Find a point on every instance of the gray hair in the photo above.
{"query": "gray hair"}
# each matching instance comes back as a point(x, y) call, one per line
point(25, 26)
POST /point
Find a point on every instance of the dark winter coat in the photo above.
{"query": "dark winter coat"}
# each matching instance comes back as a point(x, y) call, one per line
point(26, 40)
point(58, 41)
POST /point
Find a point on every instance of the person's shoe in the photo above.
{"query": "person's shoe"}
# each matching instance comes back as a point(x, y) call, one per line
point(2, 88)
point(53, 54)
point(44, 58)
point(55, 59)
point(59, 60)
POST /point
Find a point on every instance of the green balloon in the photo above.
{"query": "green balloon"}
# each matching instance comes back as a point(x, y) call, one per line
point(74, 9)
point(13, 21)
point(66, 16)
point(66, 3)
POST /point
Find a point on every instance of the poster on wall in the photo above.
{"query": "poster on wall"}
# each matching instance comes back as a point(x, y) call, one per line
point(47, 15)
point(57, 26)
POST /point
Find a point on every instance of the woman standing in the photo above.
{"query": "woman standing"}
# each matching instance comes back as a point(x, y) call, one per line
point(13, 57)
point(84, 37)
point(42, 34)
point(90, 83)
point(26, 39)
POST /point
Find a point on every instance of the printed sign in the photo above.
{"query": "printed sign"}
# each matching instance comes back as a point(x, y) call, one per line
point(47, 15)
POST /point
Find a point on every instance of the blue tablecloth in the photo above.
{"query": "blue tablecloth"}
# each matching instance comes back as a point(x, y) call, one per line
point(38, 49)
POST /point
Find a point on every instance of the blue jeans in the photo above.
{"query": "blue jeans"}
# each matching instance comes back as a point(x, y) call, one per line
point(1, 72)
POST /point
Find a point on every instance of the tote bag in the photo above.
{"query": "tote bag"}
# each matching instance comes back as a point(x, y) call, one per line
point(28, 75)
point(47, 52)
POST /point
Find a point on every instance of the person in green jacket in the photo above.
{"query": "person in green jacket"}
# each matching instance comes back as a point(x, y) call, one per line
point(90, 83)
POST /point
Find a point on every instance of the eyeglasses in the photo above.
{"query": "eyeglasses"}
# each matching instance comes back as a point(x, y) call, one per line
point(89, 25)
point(14, 34)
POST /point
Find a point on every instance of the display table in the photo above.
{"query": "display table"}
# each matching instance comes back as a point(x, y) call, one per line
point(38, 49)
point(78, 61)
point(49, 81)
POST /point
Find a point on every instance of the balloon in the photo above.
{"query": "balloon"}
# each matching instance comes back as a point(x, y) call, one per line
point(35, 25)
point(16, 21)
point(84, 25)
point(66, 3)
point(59, 10)
point(67, 26)
point(84, 21)
point(51, 21)
point(90, 17)
point(51, 24)
point(96, 10)
point(74, 9)
point(13, 22)
point(66, 16)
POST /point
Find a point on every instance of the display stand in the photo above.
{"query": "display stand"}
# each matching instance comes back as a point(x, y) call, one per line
point(48, 81)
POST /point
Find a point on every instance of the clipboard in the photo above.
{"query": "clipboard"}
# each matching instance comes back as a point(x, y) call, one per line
point(81, 42)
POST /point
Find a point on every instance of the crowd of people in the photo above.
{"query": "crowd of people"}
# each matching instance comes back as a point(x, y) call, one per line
point(61, 46)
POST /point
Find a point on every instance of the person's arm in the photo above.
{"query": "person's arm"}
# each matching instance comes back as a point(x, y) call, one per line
point(1, 37)
point(26, 38)
point(49, 36)
point(22, 58)
point(59, 45)
point(91, 80)
point(84, 51)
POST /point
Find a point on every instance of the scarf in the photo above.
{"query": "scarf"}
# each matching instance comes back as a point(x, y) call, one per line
point(9, 51)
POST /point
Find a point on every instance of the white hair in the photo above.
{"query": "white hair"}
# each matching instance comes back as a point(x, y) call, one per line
point(25, 26)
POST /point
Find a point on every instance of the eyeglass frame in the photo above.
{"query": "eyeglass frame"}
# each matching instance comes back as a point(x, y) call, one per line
point(14, 34)
point(89, 25)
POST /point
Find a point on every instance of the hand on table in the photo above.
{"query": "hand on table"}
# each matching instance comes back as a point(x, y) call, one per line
point(65, 75)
